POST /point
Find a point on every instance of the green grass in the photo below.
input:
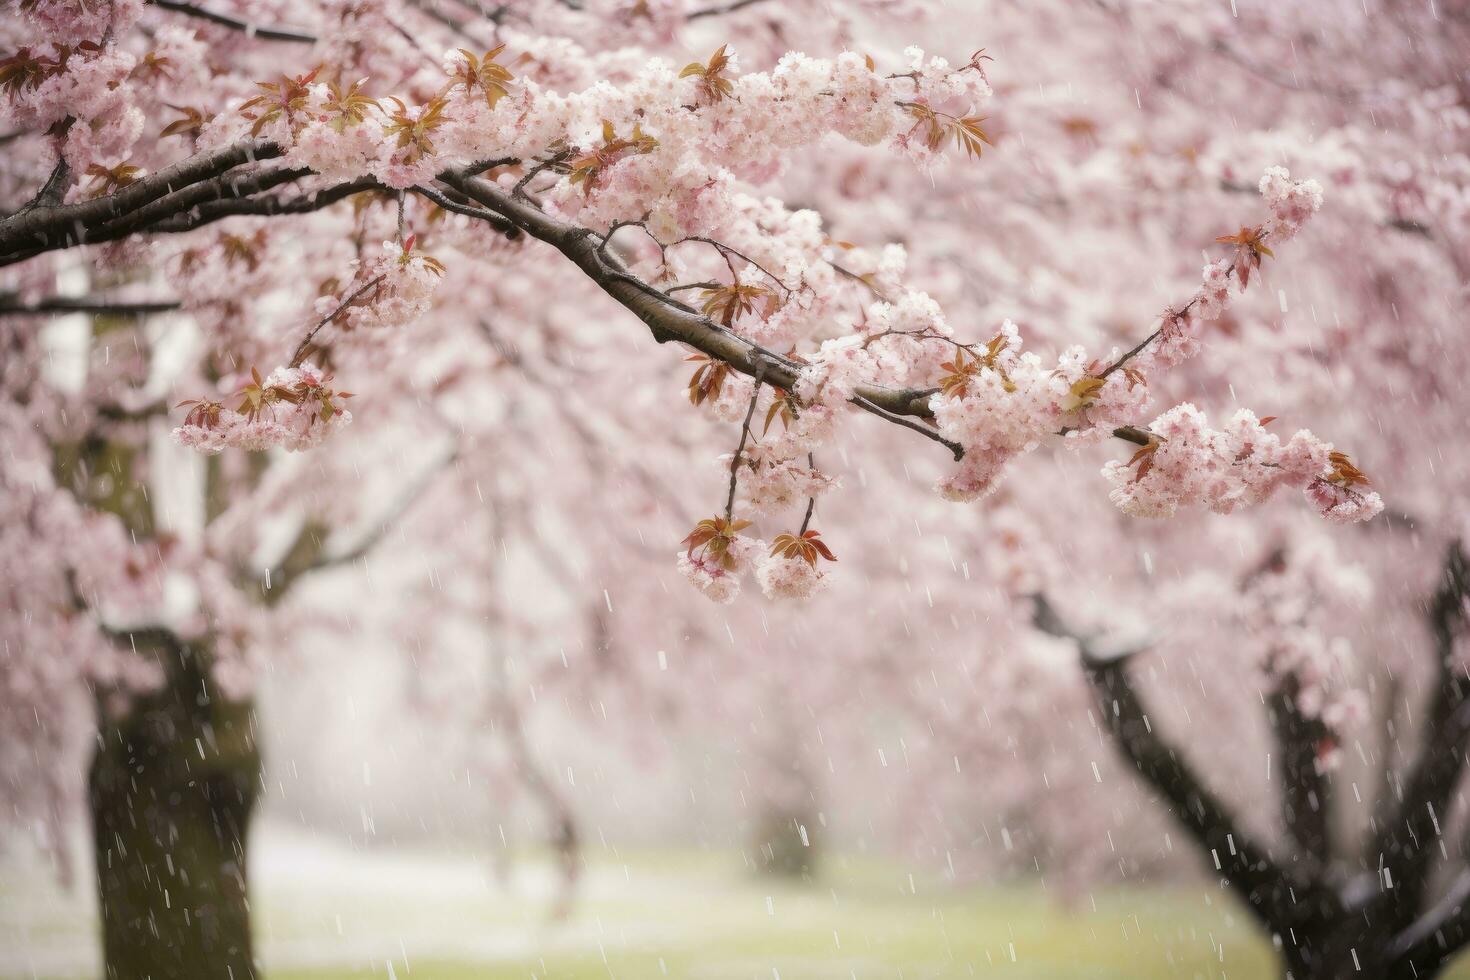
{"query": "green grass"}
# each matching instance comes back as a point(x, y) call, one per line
point(326, 912)
point(704, 916)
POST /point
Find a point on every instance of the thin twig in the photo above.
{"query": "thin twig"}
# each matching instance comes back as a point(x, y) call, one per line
point(811, 502)
point(908, 423)
point(489, 217)
point(300, 354)
point(725, 252)
point(1170, 316)
point(740, 449)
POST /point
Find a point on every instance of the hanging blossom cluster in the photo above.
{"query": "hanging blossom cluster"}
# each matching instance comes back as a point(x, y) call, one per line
point(295, 407)
point(292, 408)
point(394, 290)
point(718, 557)
point(999, 402)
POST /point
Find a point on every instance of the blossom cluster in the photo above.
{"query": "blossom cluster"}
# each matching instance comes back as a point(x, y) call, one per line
point(997, 401)
point(1291, 203)
point(662, 145)
point(77, 91)
point(394, 290)
point(1188, 463)
point(292, 408)
point(779, 577)
point(295, 408)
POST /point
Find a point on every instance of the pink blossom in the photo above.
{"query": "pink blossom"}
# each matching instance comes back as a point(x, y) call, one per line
point(789, 578)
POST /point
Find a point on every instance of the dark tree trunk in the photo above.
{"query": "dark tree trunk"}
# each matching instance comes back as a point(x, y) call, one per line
point(1348, 949)
point(1325, 928)
point(783, 843)
point(171, 790)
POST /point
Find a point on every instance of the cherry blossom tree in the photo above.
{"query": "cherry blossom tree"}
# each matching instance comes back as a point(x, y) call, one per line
point(450, 209)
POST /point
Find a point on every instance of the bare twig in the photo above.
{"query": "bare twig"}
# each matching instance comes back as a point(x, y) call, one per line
point(494, 220)
point(224, 20)
point(356, 294)
point(811, 502)
point(740, 449)
point(862, 401)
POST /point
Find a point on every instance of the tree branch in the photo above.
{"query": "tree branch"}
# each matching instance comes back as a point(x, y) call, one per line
point(667, 318)
point(1270, 891)
point(755, 395)
point(211, 211)
point(59, 226)
point(494, 220)
point(401, 506)
point(53, 305)
point(1304, 788)
point(183, 205)
point(1408, 843)
point(1431, 940)
point(224, 187)
point(224, 20)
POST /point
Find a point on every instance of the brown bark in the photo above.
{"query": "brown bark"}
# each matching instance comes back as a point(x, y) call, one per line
point(171, 790)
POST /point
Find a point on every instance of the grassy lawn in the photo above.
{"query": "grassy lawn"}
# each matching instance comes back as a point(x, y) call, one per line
point(703, 916)
point(325, 912)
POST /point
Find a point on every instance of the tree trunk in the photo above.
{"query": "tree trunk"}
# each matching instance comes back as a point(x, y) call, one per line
point(171, 789)
point(783, 842)
point(1352, 947)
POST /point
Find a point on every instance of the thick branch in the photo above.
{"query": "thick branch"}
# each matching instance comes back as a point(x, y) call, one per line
point(60, 226)
point(225, 186)
point(666, 317)
point(211, 211)
point(1408, 843)
point(669, 319)
point(1429, 942)
point(491, 218)
point(266, 207)
point(1304, 788)
point(1267, 889)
